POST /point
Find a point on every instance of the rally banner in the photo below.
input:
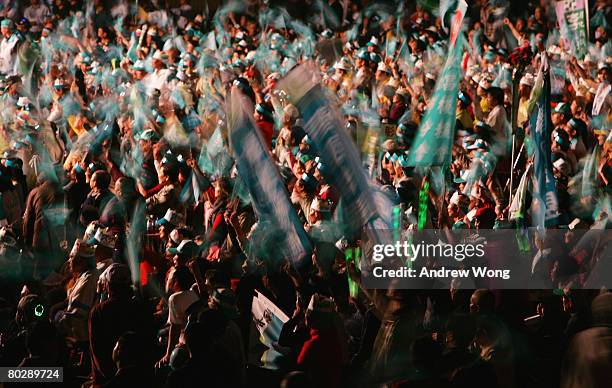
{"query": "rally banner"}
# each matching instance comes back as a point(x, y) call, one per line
point(269, 321)
point(572, 17)
point(457, 21)
point(262, 179)
point(545, 206)
point(434, 140)
point(324, 126)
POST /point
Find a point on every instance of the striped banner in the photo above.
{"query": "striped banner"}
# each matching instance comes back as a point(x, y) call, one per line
point(262, 179)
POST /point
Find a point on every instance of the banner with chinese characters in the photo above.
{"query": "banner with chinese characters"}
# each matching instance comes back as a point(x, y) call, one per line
point(572, 17)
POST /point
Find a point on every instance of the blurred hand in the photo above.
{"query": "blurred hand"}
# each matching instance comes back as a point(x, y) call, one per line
point(163, 361)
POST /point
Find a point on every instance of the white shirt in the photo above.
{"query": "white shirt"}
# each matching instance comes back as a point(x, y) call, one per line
point(603, 90)
point(7, 53)
point(37, 16)
point(178, 303)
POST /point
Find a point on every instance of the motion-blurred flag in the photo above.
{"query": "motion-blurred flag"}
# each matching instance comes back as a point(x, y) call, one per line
point(434, 140)
point(572, 17)
point(545, 207)
point(269, 320)
point(258, 171)
point(337, 150)
point(457, 21)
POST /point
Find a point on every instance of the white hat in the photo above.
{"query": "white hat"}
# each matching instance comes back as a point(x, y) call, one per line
point(382, 67)
point(562, 166)
point(484, 83)
point(342, 65)
point(291, 111)
point(455, 198)
point(158, 55)
point(554, 50)
point(139, 65)
point(374, 40)
point(23, 101)
point(319, 205)
point(527, 79)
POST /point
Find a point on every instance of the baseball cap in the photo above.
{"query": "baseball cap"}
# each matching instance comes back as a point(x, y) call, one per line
point(187, 248)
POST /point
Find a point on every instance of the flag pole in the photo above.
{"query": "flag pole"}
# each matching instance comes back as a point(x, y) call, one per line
point(514, 118)
point(588, 24)
point(521, 59)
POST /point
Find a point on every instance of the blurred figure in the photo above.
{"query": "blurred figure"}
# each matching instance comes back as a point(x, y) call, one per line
point(588, 361)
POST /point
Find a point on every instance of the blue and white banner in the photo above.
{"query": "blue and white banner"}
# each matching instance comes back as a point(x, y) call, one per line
point(262, 179)
point(269, 321)
point(337, 150)
point(545, 207)
point(434, 140)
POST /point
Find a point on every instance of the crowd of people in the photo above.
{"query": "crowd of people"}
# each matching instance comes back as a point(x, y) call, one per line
point(130, 246)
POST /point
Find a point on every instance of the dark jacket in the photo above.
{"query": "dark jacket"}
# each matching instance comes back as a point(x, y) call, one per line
point(37, 230)
point(107, 322)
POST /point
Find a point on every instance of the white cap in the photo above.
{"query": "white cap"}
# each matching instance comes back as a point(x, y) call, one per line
point(484, 83)
point(455, 198)
point(158, 55)
point(554, 50)
point(291, 111)
point(527, 79)
point(341, 65)
point(382, 67)
point(23, 101)
point(562, 166)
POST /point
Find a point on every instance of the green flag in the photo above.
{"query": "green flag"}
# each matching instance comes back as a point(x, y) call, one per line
point(434, 140)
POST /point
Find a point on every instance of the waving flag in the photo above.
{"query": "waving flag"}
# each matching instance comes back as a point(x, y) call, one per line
point(572, 17)
point(545, 207)
point(269, 320)
point(434, 140)
point(268, 194)
point(337, 149)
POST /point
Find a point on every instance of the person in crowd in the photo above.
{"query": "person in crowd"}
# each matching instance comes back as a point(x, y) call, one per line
point(201, 229)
